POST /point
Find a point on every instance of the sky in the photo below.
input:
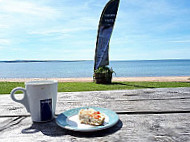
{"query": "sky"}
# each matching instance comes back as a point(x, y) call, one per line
point(67, 29)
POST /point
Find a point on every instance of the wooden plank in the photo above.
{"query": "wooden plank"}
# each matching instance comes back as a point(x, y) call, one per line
point(154, 127)
point(129, 101)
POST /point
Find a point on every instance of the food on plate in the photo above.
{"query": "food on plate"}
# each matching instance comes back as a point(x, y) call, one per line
point(91, 116)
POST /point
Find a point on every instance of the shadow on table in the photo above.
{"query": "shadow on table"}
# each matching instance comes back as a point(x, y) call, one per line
point(130, 85)
point(53, 130)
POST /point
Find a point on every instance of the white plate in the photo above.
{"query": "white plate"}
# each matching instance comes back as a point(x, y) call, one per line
point(69, 120)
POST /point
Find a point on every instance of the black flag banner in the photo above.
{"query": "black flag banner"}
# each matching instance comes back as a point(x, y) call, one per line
point(105, 29)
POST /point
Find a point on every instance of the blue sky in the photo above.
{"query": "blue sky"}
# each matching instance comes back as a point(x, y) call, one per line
point(67, 29)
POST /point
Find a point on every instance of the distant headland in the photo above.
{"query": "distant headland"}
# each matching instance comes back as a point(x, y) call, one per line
point(26, 61)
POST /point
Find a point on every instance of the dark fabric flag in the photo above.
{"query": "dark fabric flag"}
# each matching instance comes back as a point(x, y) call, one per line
point(105, 29)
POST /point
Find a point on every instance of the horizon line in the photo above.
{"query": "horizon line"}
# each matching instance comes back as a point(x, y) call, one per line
point(8, 61)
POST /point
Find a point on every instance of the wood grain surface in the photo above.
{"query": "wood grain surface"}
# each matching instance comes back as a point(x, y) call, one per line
point(146, 115)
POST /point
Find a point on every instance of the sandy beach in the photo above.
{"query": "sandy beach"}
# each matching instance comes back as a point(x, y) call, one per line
point(90, 79)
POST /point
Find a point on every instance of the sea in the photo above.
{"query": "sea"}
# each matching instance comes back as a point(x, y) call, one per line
point(84, 68)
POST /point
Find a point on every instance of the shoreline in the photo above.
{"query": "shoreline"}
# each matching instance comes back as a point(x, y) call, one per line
point(115, 79)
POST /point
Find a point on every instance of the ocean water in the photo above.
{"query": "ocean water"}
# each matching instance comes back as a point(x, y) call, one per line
point(76, 69)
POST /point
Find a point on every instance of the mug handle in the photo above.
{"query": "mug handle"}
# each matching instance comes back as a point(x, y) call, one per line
point(24, 101)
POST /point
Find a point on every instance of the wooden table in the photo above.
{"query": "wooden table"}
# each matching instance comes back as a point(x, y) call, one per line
point(145, 115)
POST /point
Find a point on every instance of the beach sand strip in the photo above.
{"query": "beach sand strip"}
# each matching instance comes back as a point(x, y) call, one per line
point(90, 79)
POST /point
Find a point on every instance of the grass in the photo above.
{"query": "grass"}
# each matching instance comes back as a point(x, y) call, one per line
point(6, 87)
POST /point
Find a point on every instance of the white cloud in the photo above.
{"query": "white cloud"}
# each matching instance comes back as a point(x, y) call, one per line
point(3, 26)
point(178, 53)
point(180, 41)
point(36, 17)
point(59, 30)
point(153, 16)
point(4, 41)
point(1, 47)
point(27, 8)
point(151, 7)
